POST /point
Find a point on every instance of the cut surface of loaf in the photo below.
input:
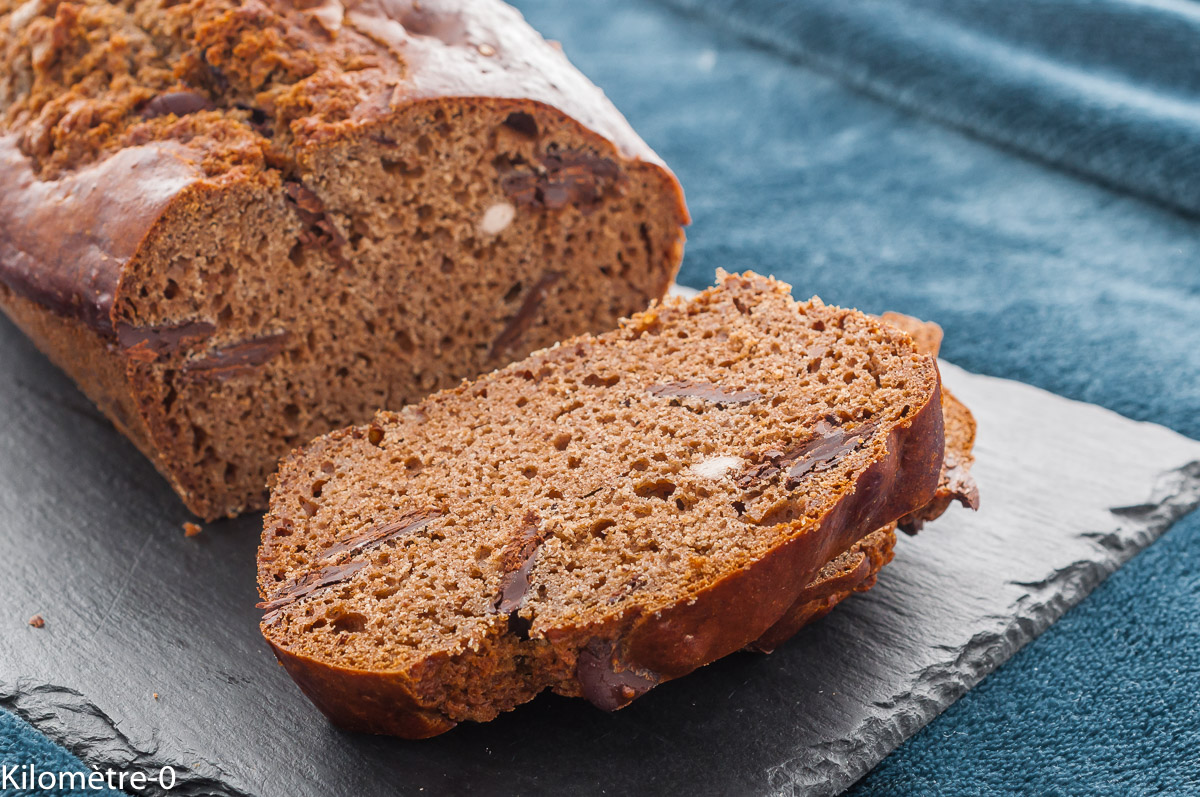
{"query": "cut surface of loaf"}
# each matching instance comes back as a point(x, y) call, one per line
point(857, 569)
point(605, 515)
point(241, 225)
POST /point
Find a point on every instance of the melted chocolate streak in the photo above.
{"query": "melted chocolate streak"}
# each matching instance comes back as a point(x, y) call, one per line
point(156, 340)
point(408, 524)
point(321, 232)
point(309, 583)
point(830, 445)
point(570, 178)
point(237, 359)
point(148, 343)
point(518, 568)
point(522, 320)
point(604, 679)
point(704, 390)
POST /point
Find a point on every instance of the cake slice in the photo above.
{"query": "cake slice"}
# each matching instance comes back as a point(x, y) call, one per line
point(238, 225)
point(600, 517)
point(857, 569)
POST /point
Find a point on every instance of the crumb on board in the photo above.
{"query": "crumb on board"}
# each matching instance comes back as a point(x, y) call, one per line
point(36, 621)
point(190, 529)
point(156, 695)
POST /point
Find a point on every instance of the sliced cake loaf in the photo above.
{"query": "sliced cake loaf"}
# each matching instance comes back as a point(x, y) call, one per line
point(857, 569)
point(602, 516)
point(238, 225)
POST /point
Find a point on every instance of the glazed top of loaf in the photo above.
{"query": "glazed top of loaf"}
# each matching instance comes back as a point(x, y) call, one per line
point(112, 109)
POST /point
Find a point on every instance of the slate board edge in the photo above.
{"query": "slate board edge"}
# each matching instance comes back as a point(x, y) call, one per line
point(831, 768)
point(68, 718)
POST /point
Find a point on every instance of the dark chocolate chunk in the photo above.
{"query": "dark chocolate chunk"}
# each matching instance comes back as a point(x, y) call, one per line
point(259, 120)
point(522, 320)
point(567, 178)
point(320, 232)
point(408, 524)
point(606, 681)
point(309, 583)
point(236, 359)
point(555, 195)
point(148, 342)
point(766, 465)
point(825, 449)
point(305, 199)
point(180, 103)
point(822, 453)
point(522, 188)
point(518, 566)
point(704, 390)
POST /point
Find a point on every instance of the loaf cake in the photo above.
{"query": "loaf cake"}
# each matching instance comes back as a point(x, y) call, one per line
point(600, 517)
point(241, 224)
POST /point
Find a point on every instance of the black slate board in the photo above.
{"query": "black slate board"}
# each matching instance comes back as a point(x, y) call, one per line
point(91, 538)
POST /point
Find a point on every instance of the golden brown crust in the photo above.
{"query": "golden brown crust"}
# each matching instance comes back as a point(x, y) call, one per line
point(364, 701)
point(853, 571)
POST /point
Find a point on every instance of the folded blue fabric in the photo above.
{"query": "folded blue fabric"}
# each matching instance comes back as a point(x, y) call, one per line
point(1104, 703)
point(26, 756)
point(1108, 88)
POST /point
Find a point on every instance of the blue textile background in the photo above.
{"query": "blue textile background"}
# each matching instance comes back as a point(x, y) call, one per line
point(22, 746)
point(1036, 273)
point(1104, 87)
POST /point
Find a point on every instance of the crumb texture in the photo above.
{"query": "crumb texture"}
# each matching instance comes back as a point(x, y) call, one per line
point(503, 537)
